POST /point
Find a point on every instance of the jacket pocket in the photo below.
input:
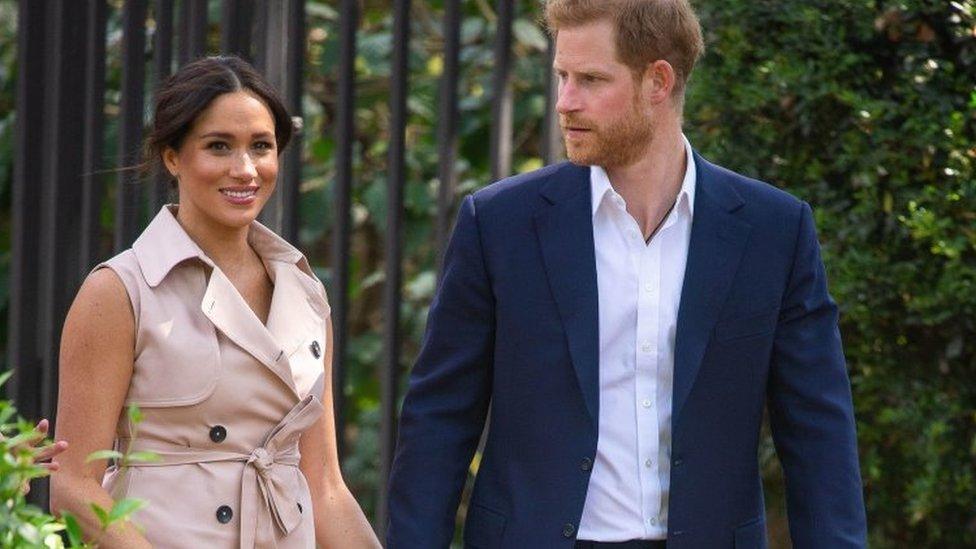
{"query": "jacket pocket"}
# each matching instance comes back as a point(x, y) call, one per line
point(483, 528)
point(742, 327)
point(751, 535)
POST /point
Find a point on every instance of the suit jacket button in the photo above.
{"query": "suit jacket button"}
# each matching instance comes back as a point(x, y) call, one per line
point(586, 464)
point(569, 530)
point(218, 433)
point(224, 514)
point(316, 349)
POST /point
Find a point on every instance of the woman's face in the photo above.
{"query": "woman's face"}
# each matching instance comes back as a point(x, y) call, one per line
point(227, 165)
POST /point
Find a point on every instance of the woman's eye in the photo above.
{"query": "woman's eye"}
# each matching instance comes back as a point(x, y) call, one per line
point(264, 145)
point(218, 146)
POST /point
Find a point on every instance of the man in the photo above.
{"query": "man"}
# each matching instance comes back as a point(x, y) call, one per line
point(628, 316)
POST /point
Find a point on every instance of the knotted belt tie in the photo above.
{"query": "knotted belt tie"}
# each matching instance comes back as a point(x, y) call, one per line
point(265, 497)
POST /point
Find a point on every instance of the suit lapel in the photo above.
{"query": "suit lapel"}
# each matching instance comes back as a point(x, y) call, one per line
point(718, 239)
point(565, 230)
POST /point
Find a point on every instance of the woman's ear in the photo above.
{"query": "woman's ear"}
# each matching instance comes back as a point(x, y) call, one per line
point(171, 160)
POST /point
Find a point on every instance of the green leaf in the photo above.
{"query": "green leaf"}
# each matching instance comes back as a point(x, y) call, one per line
point(102, 515)
point(124, 508)
point(135, 415)
point(103, 454)
point(143, 457)
point(73, 530)
point(530, 35)
point(5, 376)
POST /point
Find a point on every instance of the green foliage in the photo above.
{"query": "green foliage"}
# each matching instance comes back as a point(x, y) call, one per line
point(370, 169)
point(25, 526)
point(867, 109)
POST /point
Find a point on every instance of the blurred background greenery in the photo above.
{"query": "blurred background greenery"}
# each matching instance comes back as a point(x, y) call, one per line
point(864, 108)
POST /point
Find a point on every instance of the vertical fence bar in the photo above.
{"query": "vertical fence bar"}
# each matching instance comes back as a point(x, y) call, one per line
point(447, 126)
point(162, 66)
point(294, 64)
point(23, 351)
point(128, 195)
point(92, 163)
point(259, 33)
point(394, 221)
point(235, 27)
point(502, 102)
point(193, 30)
point(551, 135)
point(281, 55)
point(342, 197)
point(61, 190)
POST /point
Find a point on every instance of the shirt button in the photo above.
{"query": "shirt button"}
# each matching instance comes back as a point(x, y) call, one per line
point(218, 433)
point(224, 514)
point(648, 463)
point(646, 347)
point(652, 521)
point(569, 530)
point(646, 403)
point(649, 288)
point(316, 349)
point(634, 234)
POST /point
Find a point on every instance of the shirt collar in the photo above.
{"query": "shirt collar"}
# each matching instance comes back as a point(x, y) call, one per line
point(165, 244)
point(600, 183)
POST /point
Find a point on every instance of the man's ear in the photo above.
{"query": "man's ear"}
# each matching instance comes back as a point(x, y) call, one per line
point(658, 81)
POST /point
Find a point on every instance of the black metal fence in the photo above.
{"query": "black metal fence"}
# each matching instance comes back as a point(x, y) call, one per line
point(60, 167)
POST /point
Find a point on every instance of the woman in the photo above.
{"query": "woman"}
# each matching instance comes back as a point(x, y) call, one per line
point(218, 330)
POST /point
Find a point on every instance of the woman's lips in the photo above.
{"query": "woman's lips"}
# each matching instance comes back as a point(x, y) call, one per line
point(241, 196)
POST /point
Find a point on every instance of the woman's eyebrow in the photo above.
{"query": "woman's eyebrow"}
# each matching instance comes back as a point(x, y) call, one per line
point(225, 135)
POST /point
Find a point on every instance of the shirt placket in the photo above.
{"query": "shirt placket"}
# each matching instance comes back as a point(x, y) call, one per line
point(648, 304)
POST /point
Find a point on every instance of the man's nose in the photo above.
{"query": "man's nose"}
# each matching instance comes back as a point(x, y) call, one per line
point(567, 99)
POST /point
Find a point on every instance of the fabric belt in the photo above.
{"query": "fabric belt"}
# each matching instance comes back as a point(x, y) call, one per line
point(265, 497)
point(632, 544)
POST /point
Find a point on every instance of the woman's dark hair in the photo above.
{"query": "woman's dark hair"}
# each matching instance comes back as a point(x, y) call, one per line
point(190, 90)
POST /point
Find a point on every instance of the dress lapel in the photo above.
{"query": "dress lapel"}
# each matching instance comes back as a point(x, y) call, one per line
point(229, 313)
point(565, 229)
point(718, 239)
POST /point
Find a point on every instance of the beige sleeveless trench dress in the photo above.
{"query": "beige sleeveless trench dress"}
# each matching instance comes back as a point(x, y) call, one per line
point(225, 398)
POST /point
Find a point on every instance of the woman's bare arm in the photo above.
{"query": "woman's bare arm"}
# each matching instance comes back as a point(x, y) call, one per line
point(96, 361)
point(339, 521)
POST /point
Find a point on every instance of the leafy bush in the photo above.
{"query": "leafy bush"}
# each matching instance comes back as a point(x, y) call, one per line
point(867, 109)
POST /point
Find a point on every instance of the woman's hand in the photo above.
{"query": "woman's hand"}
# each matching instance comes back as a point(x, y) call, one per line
point(45, 458)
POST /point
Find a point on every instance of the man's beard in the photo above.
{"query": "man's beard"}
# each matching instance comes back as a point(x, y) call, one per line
point(614, 144)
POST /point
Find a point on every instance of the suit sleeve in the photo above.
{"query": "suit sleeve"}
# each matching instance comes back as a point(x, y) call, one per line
point(447, 399)
point(811, 411)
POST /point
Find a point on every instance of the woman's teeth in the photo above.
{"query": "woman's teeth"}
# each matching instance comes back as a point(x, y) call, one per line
point(240, 194)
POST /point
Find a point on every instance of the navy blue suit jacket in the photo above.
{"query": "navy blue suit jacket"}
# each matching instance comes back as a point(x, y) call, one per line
point(514, 325)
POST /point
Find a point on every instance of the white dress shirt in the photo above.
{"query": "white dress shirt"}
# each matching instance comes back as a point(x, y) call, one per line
point(639, 286)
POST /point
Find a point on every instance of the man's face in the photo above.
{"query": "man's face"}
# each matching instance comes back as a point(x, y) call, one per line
point(601, 112)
